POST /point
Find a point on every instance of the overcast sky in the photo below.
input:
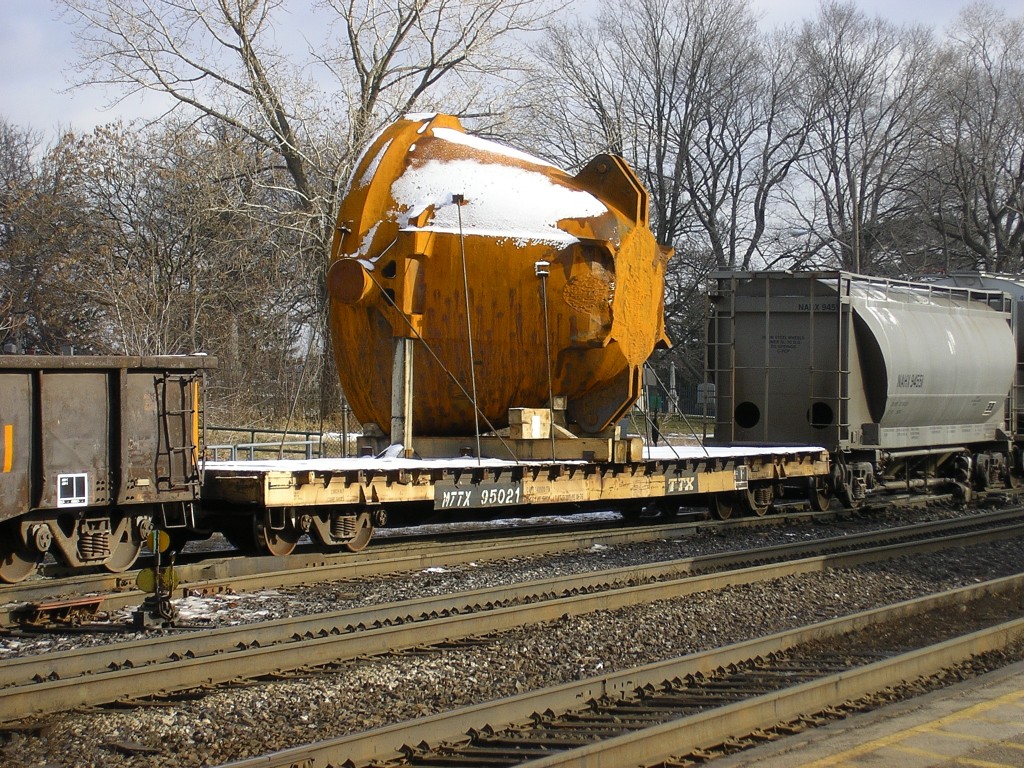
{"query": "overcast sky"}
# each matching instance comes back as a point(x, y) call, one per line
point(36, 51)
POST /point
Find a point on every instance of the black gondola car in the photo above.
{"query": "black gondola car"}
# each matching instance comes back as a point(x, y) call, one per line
point(93, 452)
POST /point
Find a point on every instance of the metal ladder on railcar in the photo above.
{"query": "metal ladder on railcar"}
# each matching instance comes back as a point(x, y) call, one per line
point(722, 371)
point(177, 448)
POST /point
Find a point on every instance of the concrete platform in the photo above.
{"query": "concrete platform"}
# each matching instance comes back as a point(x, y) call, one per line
point(977, 723)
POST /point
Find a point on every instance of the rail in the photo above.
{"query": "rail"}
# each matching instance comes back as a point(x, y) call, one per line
point(665, 710)
point(59, 681)
point(228, 570)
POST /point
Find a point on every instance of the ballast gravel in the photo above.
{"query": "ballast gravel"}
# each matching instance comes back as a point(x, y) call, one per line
point(265, 716)
point(231, 609)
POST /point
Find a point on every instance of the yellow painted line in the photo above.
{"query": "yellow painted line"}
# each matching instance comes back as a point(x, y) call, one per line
point(983, 763)
point(1012, 706)
point(943, 758)
point(940, 757)
point(959, 736)
point(990, 720)
point(8, 447)
point(932, 727)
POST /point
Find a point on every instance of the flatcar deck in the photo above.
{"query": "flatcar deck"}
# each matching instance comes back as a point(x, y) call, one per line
point(467, 483)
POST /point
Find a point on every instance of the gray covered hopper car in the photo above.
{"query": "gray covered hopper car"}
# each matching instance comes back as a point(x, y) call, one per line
point(906, 384)
point(91, 450)
point(1013, 285)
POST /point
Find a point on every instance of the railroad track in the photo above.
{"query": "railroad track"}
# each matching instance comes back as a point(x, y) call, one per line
point(240, 573)
point(54, 682)
point(82, 595)
point(681, 711)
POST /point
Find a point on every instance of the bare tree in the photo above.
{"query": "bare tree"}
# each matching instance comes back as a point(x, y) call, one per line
point(16, 181)
point(695, 98)
point(974, 190)
point(42, 233)
point(172, 266)
point(309, 112)
point(220, 59)
point(577, 102)
point(390, 57)
point(870, 108)
point(16, 176)
point(704, 107)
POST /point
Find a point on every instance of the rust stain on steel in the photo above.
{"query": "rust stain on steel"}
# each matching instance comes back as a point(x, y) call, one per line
point(397, 271)
point(590, 294)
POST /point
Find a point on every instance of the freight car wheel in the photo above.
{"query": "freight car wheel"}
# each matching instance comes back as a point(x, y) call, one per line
point(820, 494)
point(722, 505)
point(363, 534)
point(125, 546)
point(17, 561)
point(757, 499)
point(277, 542)
point(848, 498)
point(123, 555)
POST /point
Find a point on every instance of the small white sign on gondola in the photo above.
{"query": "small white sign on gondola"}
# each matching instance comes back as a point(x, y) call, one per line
point(73, 490)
